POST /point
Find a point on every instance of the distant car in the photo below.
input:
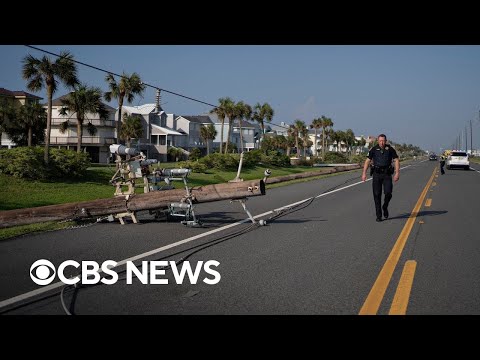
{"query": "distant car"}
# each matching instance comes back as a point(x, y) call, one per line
point(432, 157)
point(458, 159)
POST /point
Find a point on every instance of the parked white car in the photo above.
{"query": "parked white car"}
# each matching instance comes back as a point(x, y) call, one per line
point(458, 159)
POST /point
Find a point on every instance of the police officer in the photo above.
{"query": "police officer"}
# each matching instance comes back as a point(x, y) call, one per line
point(382, 156)
point(442, 164)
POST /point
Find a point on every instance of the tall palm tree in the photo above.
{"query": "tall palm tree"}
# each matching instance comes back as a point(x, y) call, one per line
point(305, 140)
point(82, 101)
point(46, 73)
point(208, 133)
point(298, 125)
point(244, 111)
point(131, 128)
point(127, 87)
point(260, 114)
point(316, 124)
point(231, 111)
point(220, 111)
point(325, 123)
point(31, 115)
point(290, 142)
point(349, 140)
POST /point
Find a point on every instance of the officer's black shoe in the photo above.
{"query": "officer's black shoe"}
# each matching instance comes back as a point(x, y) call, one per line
point(385, 213)
point(379, 219)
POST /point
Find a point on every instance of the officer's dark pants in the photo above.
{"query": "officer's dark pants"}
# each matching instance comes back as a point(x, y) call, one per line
point(442, 164)
point(380, 180)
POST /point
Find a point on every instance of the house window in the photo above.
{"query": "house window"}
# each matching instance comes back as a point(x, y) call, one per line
point(162, 139)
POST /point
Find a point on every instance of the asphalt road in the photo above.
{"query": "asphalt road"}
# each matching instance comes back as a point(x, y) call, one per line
point(324, 256)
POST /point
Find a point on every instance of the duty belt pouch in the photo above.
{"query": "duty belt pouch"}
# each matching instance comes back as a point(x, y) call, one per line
point(390, 170)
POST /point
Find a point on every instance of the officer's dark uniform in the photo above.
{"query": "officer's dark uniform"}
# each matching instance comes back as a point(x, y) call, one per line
point(382, 176)
point(442, 164)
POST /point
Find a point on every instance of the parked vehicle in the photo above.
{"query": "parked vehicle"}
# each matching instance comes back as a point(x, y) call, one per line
point(458, 159)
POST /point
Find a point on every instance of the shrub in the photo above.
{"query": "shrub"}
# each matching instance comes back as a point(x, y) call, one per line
point(359, 159)
point(252, 158)
point(27, 162)
point(195, 154)
point(220, 161)
point(196, 166)
point(335, 158)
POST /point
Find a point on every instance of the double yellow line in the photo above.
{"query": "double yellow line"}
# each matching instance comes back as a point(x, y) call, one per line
point(375, 297)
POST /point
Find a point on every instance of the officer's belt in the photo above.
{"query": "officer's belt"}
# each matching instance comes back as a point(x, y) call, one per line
point(381, 169)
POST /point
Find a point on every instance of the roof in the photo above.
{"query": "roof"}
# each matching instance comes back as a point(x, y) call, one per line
point(28, 95)
point(58, 102)
point(144, 109)
point(160, 130)
point(201, 119)
point(7, 92)
point(245, 124)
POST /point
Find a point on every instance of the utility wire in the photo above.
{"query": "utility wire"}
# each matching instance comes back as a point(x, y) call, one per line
point(146, 84)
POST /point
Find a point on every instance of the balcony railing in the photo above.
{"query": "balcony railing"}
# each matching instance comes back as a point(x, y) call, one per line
point(72, 140)
point(96, 122)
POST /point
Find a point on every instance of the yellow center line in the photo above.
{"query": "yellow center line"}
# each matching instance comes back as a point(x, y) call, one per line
point(375, 297)
point(402, 295)
point(428, 203)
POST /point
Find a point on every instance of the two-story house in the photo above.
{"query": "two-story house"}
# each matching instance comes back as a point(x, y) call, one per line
point(191, 125)
point(157, 135)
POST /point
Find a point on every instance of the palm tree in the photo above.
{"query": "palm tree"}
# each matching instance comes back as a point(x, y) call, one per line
point(325, 123)
point(221, 113)
point(305, 140)
point(316, 124)
point(131, 128)
point(45, 73)
point(244, 111)
point(208, 133)
point(297, 128)
point(231, 111)
point(261, 113)
point(82, 101)
point(349, 140)
point(127, 87)
point(32, 115)
point(290, 142)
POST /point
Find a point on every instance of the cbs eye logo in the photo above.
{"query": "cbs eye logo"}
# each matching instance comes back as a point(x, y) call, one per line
point(42, 272)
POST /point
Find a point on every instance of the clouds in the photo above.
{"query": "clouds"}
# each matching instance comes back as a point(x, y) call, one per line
point(307, 111)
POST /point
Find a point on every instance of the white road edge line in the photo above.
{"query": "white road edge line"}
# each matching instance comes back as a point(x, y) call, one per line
point(60, 284)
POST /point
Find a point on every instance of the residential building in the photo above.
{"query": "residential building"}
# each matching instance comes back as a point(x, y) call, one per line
point(157, 135)
point(190, 125)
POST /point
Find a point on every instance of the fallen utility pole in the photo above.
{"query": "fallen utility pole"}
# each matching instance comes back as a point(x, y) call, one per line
point(130, 203)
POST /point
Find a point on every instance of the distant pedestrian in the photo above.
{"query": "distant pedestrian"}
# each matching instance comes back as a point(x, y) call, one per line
point(442, 164)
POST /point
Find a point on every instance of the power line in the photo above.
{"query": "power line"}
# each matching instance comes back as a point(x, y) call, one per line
point(146, 84)
point(121, 76)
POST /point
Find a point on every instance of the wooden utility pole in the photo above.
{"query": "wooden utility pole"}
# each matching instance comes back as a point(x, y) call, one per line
point(130, 203)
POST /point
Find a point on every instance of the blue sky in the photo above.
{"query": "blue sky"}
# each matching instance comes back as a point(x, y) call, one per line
point(423, 95)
